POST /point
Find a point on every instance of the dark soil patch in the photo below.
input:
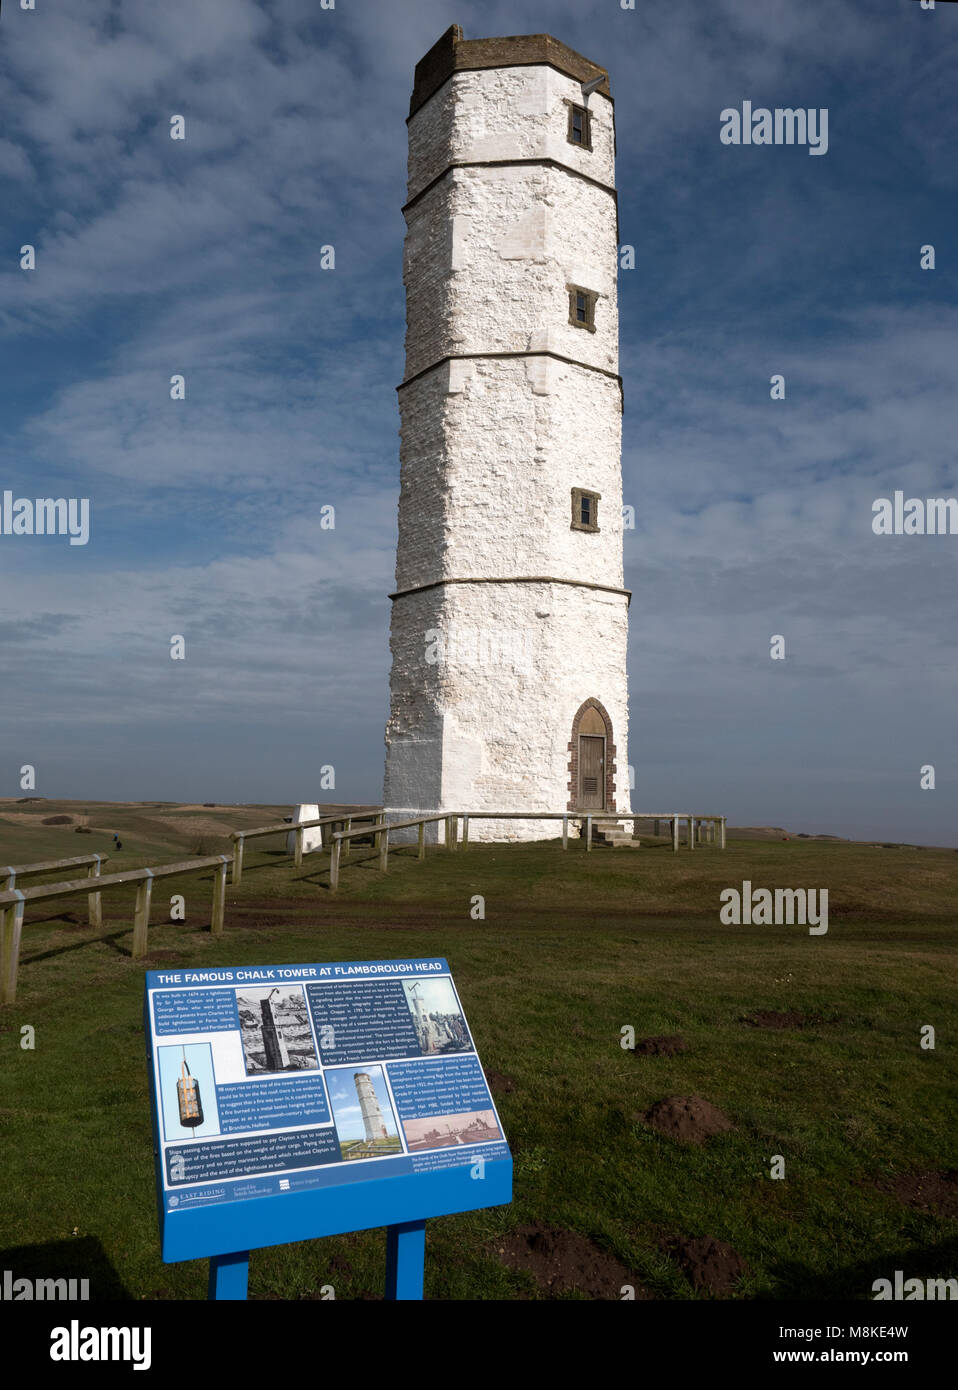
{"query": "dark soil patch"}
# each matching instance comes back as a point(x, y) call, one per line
point(82, 830)
point(664, 1046)
point(710, 1265)
point(562, 1261)
point(687, 1119)
point(57, 820)
point(769, 1018)
point(937, 1192)
point(499, 1083)
point(164, 958)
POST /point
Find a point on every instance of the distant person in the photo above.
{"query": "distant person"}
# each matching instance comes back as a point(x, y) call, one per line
point(117, 842)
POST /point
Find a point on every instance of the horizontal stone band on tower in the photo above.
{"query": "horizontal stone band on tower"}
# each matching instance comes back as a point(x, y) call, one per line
point(544, 161)
point(515, 579)
point(531, 352)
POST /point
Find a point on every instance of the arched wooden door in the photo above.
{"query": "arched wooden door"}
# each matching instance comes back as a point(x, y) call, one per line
point(592, 756)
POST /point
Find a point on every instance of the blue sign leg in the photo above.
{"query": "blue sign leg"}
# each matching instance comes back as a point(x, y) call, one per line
point(229, 1275)
point(405, 1260)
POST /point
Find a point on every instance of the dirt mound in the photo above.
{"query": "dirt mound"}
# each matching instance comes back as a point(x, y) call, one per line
point(769, 1018)
point(82, 830)
point(663, 1046)
point(499, 1083)
point(711, 1265)
point(687, 1119)
point(57, 820)
point(562, 1261)
point(937, 1192)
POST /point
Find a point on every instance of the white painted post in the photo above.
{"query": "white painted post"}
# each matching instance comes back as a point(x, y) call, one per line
point(95, 900)
point(675, 834)
point(565, 832)
point(691, 820)
point(238, 859)
point(722, 833)
point(219, 899)
point(141, 914)
point(298, 856)
point(588, 834)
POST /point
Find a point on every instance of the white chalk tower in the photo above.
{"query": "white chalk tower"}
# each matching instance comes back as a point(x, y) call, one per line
point(509, 622)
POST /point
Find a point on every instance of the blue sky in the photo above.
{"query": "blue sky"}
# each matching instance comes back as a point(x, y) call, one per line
point(753, 517)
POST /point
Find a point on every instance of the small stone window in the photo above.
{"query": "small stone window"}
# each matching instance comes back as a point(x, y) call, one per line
point(582, 307)
point(580, 127)
point(585, 510)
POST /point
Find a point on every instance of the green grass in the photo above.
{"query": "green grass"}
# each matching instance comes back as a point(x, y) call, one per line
point(573, 948)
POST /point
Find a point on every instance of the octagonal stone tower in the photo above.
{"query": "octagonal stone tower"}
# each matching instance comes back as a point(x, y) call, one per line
point(509, 623)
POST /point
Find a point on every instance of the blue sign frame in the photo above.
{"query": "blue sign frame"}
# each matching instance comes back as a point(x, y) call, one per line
point(223, 1219)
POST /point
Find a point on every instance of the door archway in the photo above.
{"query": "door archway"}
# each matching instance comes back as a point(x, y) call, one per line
point(591, 759)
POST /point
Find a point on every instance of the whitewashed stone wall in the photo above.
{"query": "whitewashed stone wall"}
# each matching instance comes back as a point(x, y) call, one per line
point(487, 677)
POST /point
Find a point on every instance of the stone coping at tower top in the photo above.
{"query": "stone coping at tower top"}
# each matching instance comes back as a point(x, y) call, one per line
point(452, 53)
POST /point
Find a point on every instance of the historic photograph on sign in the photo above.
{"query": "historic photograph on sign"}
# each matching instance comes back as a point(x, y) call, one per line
point(363, 1112)
point(444, 1131)
point(188, 1091)
point(437, 1017)
point(274, 1026)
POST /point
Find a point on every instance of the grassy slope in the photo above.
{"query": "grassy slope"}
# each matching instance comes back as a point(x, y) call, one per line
point(572, 949)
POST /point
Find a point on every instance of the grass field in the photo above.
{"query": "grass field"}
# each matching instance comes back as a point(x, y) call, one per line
point(573, 949)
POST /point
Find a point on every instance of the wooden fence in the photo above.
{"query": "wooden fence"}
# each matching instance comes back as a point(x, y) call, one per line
point(14, 900)
point(13, 872)
point(705, 826)
point(239, 837)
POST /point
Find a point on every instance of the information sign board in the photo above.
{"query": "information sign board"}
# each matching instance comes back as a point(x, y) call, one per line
point(293, 1101)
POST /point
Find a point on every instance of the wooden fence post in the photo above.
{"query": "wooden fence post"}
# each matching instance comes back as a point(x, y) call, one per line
point(219, 899)
point(238, 859)
point(465, 832)
point(347, 825)
point(141, 915)
point(565, 832)
point(95, 900)
point(722, 834)
point(691, 821)
point(298, 854)
point(334, 864)
point(588, 834)
point(422, 840)
point(11, 927)
point(383, 848)
point(675, 833)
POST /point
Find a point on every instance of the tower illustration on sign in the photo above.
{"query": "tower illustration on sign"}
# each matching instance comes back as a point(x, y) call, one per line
point(188, 1097)
point(373, 1121)
point(509, 625)
point(426, 1030)
point(274, 1043)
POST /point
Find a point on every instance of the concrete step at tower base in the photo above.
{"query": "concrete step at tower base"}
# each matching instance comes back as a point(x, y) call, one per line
point(614, 834)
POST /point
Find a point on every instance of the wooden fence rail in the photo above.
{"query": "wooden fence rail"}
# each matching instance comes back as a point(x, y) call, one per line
point(12, 872)
point(705, 826)
point(13, 901)
point(239, 837)
point(381, 840)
